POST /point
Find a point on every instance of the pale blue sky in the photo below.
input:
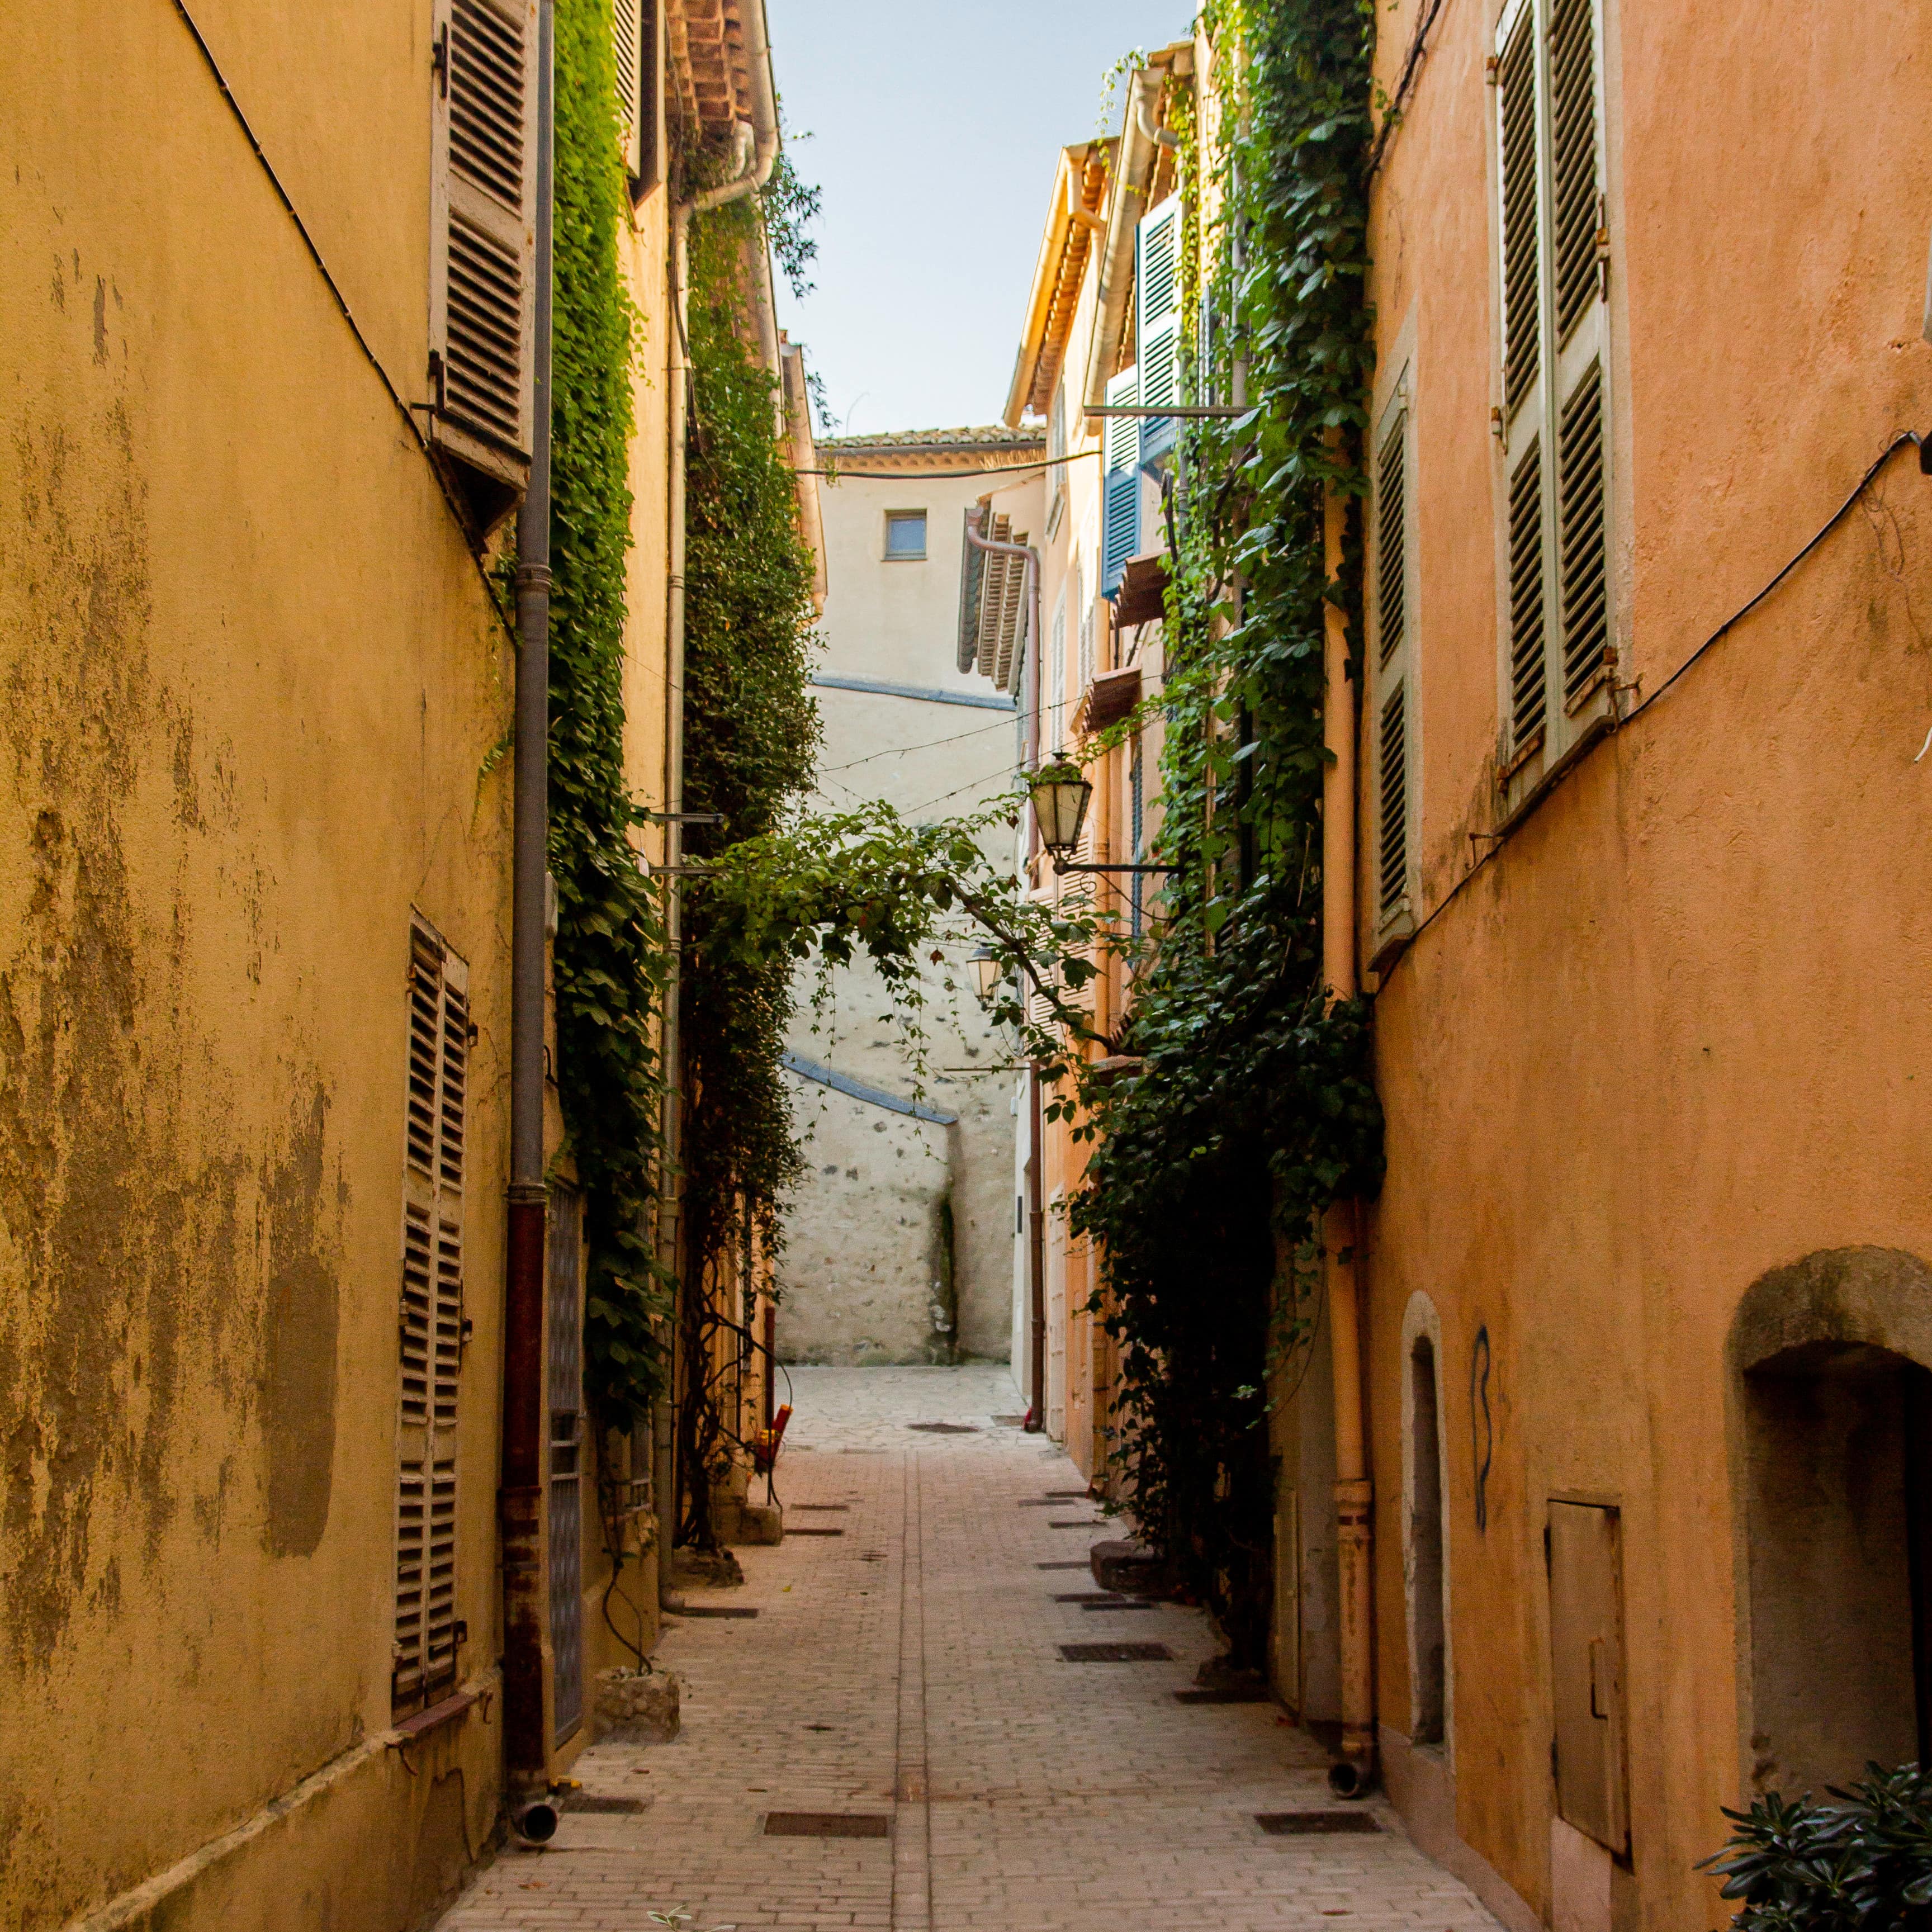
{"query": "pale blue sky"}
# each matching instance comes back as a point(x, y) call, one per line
point(935, 127)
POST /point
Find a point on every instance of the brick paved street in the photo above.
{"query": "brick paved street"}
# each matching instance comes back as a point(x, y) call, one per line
point(908, 1668)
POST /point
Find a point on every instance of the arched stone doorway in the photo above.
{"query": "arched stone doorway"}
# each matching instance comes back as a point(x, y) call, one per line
point(1830, 1385)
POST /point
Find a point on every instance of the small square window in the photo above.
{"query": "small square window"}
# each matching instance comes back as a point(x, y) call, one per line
point(905, 534)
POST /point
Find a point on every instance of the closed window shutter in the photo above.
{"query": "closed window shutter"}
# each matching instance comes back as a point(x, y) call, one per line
point(1120, 510)
point(429, 1323)
point(482, 290)
point(1392, 851)
point(627, 28)
point(1393, 623)
point(1555, 449)
point(1157, 321)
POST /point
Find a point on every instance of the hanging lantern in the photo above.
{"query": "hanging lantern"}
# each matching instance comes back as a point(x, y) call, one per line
point(986, 973)
point(1060, 795)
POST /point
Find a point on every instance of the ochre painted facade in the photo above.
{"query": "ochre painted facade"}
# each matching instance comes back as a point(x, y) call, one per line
point(258, 703)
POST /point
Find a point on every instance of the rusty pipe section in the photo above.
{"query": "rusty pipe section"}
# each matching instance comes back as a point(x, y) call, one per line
point(1354, 1494)
point(519, 1498)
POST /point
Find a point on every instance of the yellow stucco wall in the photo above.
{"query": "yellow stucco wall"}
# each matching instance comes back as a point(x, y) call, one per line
point(1673, 1035)
point(253, 682)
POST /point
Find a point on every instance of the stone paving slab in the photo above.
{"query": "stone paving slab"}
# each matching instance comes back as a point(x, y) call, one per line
point(911, 1668)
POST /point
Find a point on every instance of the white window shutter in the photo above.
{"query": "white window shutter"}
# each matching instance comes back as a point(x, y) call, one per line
point(482, 288)
point(1157, 320)
point(429, 1325)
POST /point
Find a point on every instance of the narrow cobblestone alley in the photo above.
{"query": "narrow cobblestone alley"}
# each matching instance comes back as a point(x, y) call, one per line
point(905, 1666)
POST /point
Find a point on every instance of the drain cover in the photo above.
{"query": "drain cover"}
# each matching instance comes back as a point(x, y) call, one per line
point(1125, 1604)
point(1078, 1563)
point(1075, 1522)
point(943, 1428)
point(827, 1824)
point(583, 1801)
point(1298, 1824)
point(1010, 1421)
point(1116, 1653)
point(1096, 1597)
point(714, 1610)
point(821, 1509)
point(810, 1529)
point(1224, 1694)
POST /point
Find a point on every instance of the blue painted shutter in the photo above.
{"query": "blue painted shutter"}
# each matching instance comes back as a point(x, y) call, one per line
point(1120, 537)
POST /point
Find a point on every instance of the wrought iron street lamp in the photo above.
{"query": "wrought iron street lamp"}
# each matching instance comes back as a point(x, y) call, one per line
point(1061, 793)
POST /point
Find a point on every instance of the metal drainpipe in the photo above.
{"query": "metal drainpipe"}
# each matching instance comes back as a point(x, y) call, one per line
point(1355, 1771)
point(752, 176)
point(525, 1756)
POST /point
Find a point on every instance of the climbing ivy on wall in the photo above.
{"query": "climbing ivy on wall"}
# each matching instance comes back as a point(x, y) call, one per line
point(1253, 1109)
point(752, 736)
point(611, 958)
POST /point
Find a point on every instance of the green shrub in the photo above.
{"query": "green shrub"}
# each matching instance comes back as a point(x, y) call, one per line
point(1862, 1864)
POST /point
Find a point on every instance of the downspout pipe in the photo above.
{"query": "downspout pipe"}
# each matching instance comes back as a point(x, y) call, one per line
point(1354, 1772)
point(758, 156)
point(526, 1755)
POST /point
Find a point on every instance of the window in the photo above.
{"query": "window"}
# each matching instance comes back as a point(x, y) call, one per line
point(430, 1325)
point(1392, 592)
point(1554, 280)
point(1120, 490)
point(1055, 703)
point(1084, 619)
point(481, 331)
point(905, 535)
point(1428, 1643)
point(1157, 320)
point(1056, 451)
point(634, 29)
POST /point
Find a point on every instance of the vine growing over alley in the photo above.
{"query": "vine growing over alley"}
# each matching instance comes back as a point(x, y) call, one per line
point(752, 735)
point(1252, 1109)
point(610, 959)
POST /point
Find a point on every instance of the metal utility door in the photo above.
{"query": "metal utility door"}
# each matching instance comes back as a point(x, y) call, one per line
point(565, 1392)
point(1586, 1659)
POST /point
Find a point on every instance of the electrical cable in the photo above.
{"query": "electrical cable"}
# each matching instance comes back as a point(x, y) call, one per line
point(899, 751)
point(1921, 442)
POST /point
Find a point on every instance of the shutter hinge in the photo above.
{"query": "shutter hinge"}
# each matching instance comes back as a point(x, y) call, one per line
point(1496, 423)
point(1547, 1561)
point(460, 1629)
point(439, 60)
point(1491, 70)
point(438, 378)
point(1603, 249)
point(468, 1328)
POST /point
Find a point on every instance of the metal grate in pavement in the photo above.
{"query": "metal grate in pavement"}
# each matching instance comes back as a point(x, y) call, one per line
point(811, 1529)
point(1224, 1694)
point(1116, 1653)
point(943, 1428)
point(1076, 1522)
point(1315, 1824)
point(583, 1801)
point(827, 1824)
point(821, 1509)
point(1078, 1563)
point(1055, 1496)
point(713, 1610)
point(1090, 1597)
point(1125, 1604)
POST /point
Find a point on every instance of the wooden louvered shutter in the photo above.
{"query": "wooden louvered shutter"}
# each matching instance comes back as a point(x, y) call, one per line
point(627, 41)
point(482, 290)
point(430, 1325)
point(1394, 656)
point(1120, 506)
point(1555, 348)
point(1157, 320)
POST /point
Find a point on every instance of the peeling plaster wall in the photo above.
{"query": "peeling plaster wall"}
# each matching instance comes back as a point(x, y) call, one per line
point(252, 681)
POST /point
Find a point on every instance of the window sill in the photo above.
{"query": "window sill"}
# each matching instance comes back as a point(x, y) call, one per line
point(410, 1729)
point(904, 557)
